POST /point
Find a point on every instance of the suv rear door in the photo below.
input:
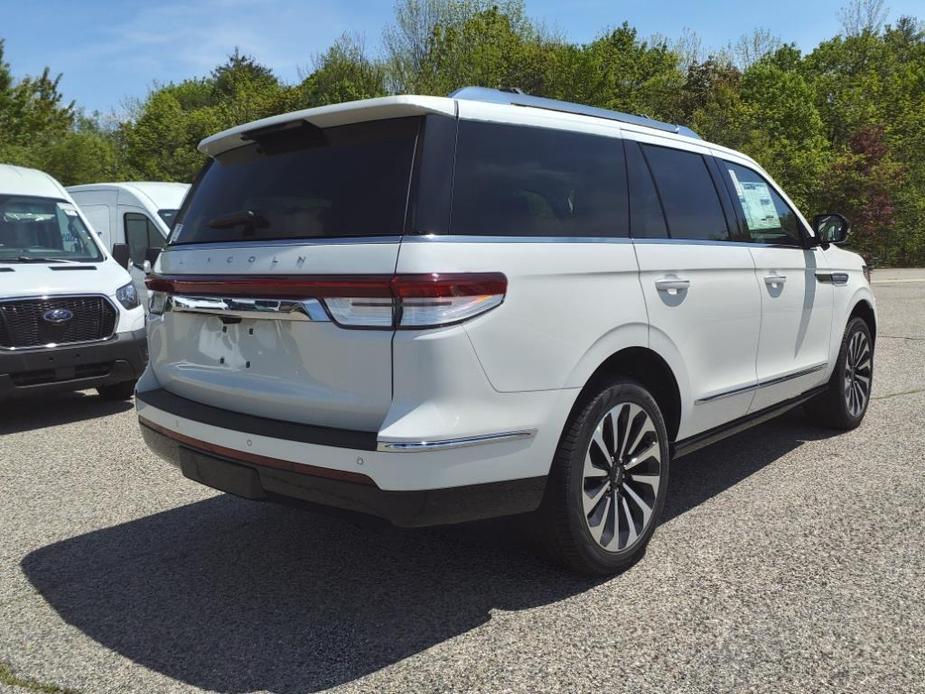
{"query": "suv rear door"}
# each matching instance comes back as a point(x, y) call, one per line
point(699, 285)
point(293, 215)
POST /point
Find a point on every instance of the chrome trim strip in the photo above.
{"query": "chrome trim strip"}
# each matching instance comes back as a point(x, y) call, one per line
point(474, 238)
point(763, 384)
point(394, 446)
point(55, 345)
point(266, 309)
point(273, 243)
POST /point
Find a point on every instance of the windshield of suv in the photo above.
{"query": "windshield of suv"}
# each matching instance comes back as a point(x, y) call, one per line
point(168, 216)
point(305, 182)
point(36, 229)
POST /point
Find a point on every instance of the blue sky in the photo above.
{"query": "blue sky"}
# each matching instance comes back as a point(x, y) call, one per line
point(109, 50)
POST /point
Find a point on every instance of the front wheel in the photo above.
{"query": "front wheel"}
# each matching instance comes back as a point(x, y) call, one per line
point(843, 404)
point(607, 484)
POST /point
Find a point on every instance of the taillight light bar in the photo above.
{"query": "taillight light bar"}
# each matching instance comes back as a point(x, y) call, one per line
point(411, 301)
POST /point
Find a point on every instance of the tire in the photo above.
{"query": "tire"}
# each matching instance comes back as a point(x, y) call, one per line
point(581, 525)
point(117, 391)
point(843, 404)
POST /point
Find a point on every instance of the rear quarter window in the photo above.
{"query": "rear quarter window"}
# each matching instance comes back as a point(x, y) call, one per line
point(521, 181)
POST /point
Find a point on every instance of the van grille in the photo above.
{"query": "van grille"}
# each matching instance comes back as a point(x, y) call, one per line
point(22, 322)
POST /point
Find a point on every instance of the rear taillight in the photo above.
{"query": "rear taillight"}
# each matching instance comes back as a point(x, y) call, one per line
point(410, 301)
point(432, 300)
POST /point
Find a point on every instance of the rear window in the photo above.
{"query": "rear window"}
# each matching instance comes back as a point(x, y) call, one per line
point(521, 181)
point(306, 182)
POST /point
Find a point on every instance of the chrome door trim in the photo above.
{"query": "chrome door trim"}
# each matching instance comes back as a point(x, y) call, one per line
point(237, 307)
point(404, 446)
point(764, 384)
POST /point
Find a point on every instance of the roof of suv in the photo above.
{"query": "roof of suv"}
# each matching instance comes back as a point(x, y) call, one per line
point(18, 180)
point(514, 104)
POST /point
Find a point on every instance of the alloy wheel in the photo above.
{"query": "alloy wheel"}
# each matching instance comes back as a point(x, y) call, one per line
point(622, 473)
point(858, 363)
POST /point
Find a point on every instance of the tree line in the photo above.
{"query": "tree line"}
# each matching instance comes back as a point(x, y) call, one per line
point(841, 128)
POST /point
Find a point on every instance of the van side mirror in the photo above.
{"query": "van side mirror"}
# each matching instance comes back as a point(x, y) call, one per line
point(151, 255)
point(830, 228)
point(121, 254)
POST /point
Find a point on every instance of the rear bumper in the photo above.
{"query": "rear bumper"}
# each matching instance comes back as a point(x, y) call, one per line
point(119, 359)
point(260, 477)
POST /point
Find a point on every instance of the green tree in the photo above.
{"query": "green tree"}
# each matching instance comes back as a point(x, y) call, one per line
point(342, 73)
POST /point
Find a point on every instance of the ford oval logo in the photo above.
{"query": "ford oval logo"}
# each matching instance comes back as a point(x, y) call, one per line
point(58, 315)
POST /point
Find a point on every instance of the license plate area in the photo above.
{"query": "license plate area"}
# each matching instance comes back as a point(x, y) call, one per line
point(222, 475)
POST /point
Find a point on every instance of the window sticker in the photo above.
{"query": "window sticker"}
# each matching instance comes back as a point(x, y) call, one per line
point(757, 204)
point(68, 209)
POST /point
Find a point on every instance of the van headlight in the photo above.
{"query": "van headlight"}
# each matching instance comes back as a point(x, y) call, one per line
point(127, 296)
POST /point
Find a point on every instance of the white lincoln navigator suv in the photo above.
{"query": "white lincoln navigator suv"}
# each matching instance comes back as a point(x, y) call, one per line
point(443, 309)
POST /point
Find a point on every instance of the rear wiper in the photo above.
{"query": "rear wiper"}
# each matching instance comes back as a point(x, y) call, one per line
point(249, 219)
point(42, 259)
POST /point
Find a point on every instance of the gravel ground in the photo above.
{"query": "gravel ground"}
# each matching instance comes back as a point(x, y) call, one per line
point(789, 560)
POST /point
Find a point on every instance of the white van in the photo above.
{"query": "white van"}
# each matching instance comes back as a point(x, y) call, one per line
point(444, 309)
point(70, 317)
point(138, 213)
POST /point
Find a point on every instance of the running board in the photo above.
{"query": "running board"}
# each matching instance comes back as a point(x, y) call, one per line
point(698, 441)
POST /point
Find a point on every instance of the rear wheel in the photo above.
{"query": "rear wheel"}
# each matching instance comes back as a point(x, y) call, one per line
point(845, 401)
point(608, 480)
point(117, 391)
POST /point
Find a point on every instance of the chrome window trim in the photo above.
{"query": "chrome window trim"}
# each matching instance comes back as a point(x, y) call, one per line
point(274, 243)
point(404, 446)
point(257, 308)
point(763, 384)
point(55, 345)
point(463, 238)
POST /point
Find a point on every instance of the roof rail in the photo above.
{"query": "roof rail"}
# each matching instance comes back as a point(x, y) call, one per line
point(516, 97)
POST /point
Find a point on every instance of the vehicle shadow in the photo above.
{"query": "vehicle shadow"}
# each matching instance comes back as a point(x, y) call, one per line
point(234, 596)
point(59, 408)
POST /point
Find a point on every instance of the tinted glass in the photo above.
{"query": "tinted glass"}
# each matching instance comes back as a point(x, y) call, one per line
point(688, 196)
point(768, 219)
point(647, 221)
point(338, 182)
point(520, 181)
point(168, 216)
point(32, 227)
point(140, 235)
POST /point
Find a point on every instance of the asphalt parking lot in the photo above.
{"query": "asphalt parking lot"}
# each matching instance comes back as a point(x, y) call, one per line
point(789, 560)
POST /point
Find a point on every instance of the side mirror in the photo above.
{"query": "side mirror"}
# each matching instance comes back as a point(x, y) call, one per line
point(830, 228)
point(151, 256)
point(121, 254)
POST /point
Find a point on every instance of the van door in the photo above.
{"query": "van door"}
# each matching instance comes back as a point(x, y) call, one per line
point(141, 234)
point(699, 285)
point(279, 274)
point(796, 316)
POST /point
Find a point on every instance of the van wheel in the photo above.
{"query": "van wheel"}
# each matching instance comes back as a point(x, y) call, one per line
point(117, 391)
point(607, 484)
point(843, 404)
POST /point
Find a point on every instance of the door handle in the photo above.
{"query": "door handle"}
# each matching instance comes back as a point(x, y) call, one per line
point(672, 285)
point(775, 281)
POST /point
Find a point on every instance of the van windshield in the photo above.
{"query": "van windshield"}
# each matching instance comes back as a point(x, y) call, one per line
point(305, 182)
point(34, 229)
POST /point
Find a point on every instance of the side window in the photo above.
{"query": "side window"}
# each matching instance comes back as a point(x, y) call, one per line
point(521, 181)
point(688, 196)
point(647, 221)
point(768, 219)
point(140, 235)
